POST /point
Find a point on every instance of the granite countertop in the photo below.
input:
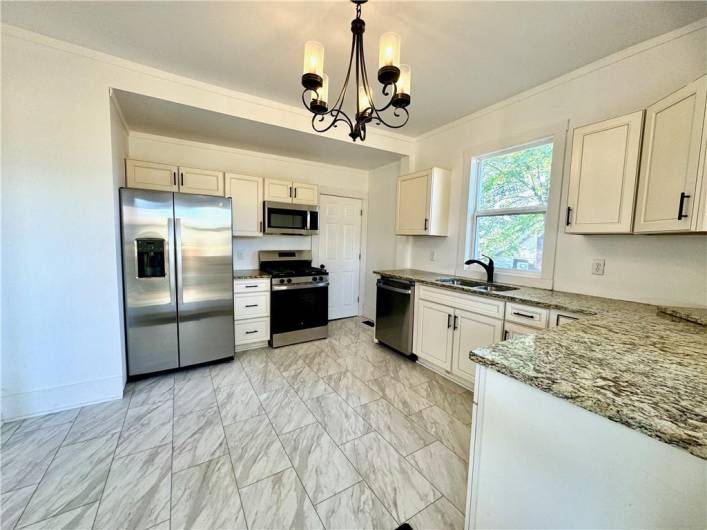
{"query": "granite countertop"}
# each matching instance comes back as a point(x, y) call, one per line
point(691, 314)
point(628, 362)
point(249, 274)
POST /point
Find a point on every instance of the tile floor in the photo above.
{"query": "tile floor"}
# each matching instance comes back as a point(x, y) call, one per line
point(339, 433)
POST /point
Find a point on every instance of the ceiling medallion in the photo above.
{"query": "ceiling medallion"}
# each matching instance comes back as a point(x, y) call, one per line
point(394, 77)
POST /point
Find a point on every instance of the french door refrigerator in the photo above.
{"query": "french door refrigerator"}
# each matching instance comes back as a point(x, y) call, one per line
point(177, 279)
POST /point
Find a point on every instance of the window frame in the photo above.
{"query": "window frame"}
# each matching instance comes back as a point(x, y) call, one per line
point(555, 134)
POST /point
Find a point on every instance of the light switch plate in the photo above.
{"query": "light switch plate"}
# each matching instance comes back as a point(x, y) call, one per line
point(433, 255)
point(598, 266)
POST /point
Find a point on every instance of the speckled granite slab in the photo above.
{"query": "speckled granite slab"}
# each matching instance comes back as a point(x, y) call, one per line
point(249, 274)
point(624, 361)
point(691, 314)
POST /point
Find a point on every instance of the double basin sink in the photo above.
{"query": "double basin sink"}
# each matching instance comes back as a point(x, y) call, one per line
point(477, 286)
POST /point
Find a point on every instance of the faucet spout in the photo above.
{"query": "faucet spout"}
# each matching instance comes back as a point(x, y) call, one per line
point(488, 267)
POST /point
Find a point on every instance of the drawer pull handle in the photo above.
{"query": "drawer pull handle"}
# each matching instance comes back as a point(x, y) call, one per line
point(681, 215)
point(524, 315)
point(505, 334)
point(449, 321)
point(251, 332)
point(252, 305)
point(250, 286)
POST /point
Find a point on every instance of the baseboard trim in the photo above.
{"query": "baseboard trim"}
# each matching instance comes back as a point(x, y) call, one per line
point(454, 379)
point(251, 346)
point(55, 399)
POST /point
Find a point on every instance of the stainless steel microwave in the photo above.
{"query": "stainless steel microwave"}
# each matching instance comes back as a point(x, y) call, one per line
point(291, 219)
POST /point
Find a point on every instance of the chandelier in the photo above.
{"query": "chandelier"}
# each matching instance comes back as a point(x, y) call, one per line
point(394, 77)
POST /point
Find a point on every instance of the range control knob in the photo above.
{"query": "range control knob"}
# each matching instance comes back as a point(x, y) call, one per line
point(321, 278)
point(282, 281)
point(314, 278)
point(289, 280)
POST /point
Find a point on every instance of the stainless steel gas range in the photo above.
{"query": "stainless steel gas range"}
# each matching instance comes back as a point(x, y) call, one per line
point(299, 298)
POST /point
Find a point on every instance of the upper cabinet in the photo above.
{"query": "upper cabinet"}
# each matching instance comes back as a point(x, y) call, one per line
point(603, 176)
point(423, 203)
point(165, 177)
point(670, 165)
point(291, 192)
point(247, 204)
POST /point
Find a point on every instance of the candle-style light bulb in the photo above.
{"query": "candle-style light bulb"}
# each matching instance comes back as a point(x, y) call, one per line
point(403, 84)
point(313, 58)
point(363, 101)
point(389, 50)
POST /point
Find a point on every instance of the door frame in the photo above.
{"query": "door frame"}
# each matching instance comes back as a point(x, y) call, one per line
point(363, 197)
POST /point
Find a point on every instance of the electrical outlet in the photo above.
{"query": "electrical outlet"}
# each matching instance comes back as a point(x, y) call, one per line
point(433, 255)
point(598, 266)
point(240, 255)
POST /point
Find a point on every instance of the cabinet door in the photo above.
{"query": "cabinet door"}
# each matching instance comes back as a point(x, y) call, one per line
point(305, 193)
point(278, 190)
point(434, 342)
point(603, 175)
point(201, 181)
point(669, 162)
point(511, 331)
point(413, 205)
point(151, 176)
point(472, 331)
point(247, 203)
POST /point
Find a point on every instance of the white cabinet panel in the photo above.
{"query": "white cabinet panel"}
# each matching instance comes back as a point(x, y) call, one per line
point(202, 181)
point(278, 190)
point(422, 205)
point(511, 331)
point(254, 330)
point(603, 175)
point(434, 333)
point(151, 176)
point(251, 286)
point(472, 331)
point(251, 306)
point(525, 315)
point(670, 159)
point(247, 204)
point(305, 193)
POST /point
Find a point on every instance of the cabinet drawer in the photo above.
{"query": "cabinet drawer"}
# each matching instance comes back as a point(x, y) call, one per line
point(251, 305)
point(534, 317)
point(254, 330)
point(468, 302)
point(511, 330)
point(251, 286)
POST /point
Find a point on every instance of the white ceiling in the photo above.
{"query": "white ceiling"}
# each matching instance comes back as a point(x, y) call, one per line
point(464, 55)
point(166, 118)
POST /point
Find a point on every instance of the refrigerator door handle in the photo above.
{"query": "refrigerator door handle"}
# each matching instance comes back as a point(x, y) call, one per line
point(178, 253)
point(168, 257)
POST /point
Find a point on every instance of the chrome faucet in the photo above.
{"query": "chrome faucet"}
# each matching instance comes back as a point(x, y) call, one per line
point(487, 266)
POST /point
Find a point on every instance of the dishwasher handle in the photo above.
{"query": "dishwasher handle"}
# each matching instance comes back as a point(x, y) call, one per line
point(394, 289)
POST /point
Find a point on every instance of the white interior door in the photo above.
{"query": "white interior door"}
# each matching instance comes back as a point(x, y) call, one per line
point(339, 251)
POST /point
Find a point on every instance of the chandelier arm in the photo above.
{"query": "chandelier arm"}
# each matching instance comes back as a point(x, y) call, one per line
point(375, 110)
point(397, 113)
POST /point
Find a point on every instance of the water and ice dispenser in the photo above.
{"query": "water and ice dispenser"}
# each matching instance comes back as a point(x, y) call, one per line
point(150, 258)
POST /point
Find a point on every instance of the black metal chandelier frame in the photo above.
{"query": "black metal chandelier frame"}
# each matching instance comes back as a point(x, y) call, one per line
point(387, 75)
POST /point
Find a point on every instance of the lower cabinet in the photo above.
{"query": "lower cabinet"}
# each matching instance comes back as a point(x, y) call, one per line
point(251, 311)
point(472, 330)
point(435, 340)
point(511, 331)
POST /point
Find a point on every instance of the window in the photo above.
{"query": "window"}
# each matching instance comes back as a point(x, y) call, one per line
point(509, 193)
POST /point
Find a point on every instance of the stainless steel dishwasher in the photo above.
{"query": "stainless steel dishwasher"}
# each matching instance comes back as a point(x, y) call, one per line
point(394, 314)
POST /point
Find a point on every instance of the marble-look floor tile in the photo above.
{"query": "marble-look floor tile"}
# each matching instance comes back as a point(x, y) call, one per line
point(450, 385)
point(26, 456)
point(205, 496)
point(445, 470)
point(373, 353)
point(265, 378)
point(308, 348)
point(198, 437)
point(8, 429)
point(457, 405)
point(355, 507)
point(12, 505)
point(152, 390)
point(306, 383)
point(164, 525)
point(320, 464)
point(194, 394)
point(398, 485)
point(287, 359)
point(324, 365)
point(361, 368)
point(286, 410)
point(190, 374)
point(98, 420)
point(399, 395)
point(354, 391)
point(405, 371)
point(228, 374)
point(237, 402)
point(75, 477)
point(342, 340)
point(48, 420)
point(253, 358)
point(279, 502)
point(441, 515)
point(137, 494)
point(146, 427)
point(338, 419)
point(256, 451)
point(80, 518)
point(448, 430)
point(398, 430)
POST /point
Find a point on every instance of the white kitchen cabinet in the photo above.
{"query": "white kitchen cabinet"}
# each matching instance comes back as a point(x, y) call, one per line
point(292, 192)
point(422, 205)
point(202, 181)
point(511, 330)
point(434, 322)
point(151, 175)
point(669, 177)
point(603, 176)
point(247, 204)
point(472, 330)
point(251, 312)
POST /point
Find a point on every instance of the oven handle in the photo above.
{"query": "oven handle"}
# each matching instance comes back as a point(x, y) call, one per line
point(394, 289)
point(299, 286)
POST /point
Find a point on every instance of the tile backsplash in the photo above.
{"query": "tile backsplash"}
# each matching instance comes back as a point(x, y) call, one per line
point(245, 249)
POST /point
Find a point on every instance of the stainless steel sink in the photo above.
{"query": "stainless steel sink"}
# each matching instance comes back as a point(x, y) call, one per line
point(479, 286)
point(490, 288)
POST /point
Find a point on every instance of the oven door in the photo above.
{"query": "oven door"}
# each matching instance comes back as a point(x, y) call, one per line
point(290, 219)
point(293, 308)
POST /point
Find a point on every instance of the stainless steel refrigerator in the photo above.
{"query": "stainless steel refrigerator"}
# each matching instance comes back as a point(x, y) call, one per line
point(177, 279)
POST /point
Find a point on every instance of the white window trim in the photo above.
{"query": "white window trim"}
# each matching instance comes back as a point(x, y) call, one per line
point(555, 133)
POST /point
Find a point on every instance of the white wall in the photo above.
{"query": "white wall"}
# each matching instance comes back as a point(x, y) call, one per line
point(659, 269)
